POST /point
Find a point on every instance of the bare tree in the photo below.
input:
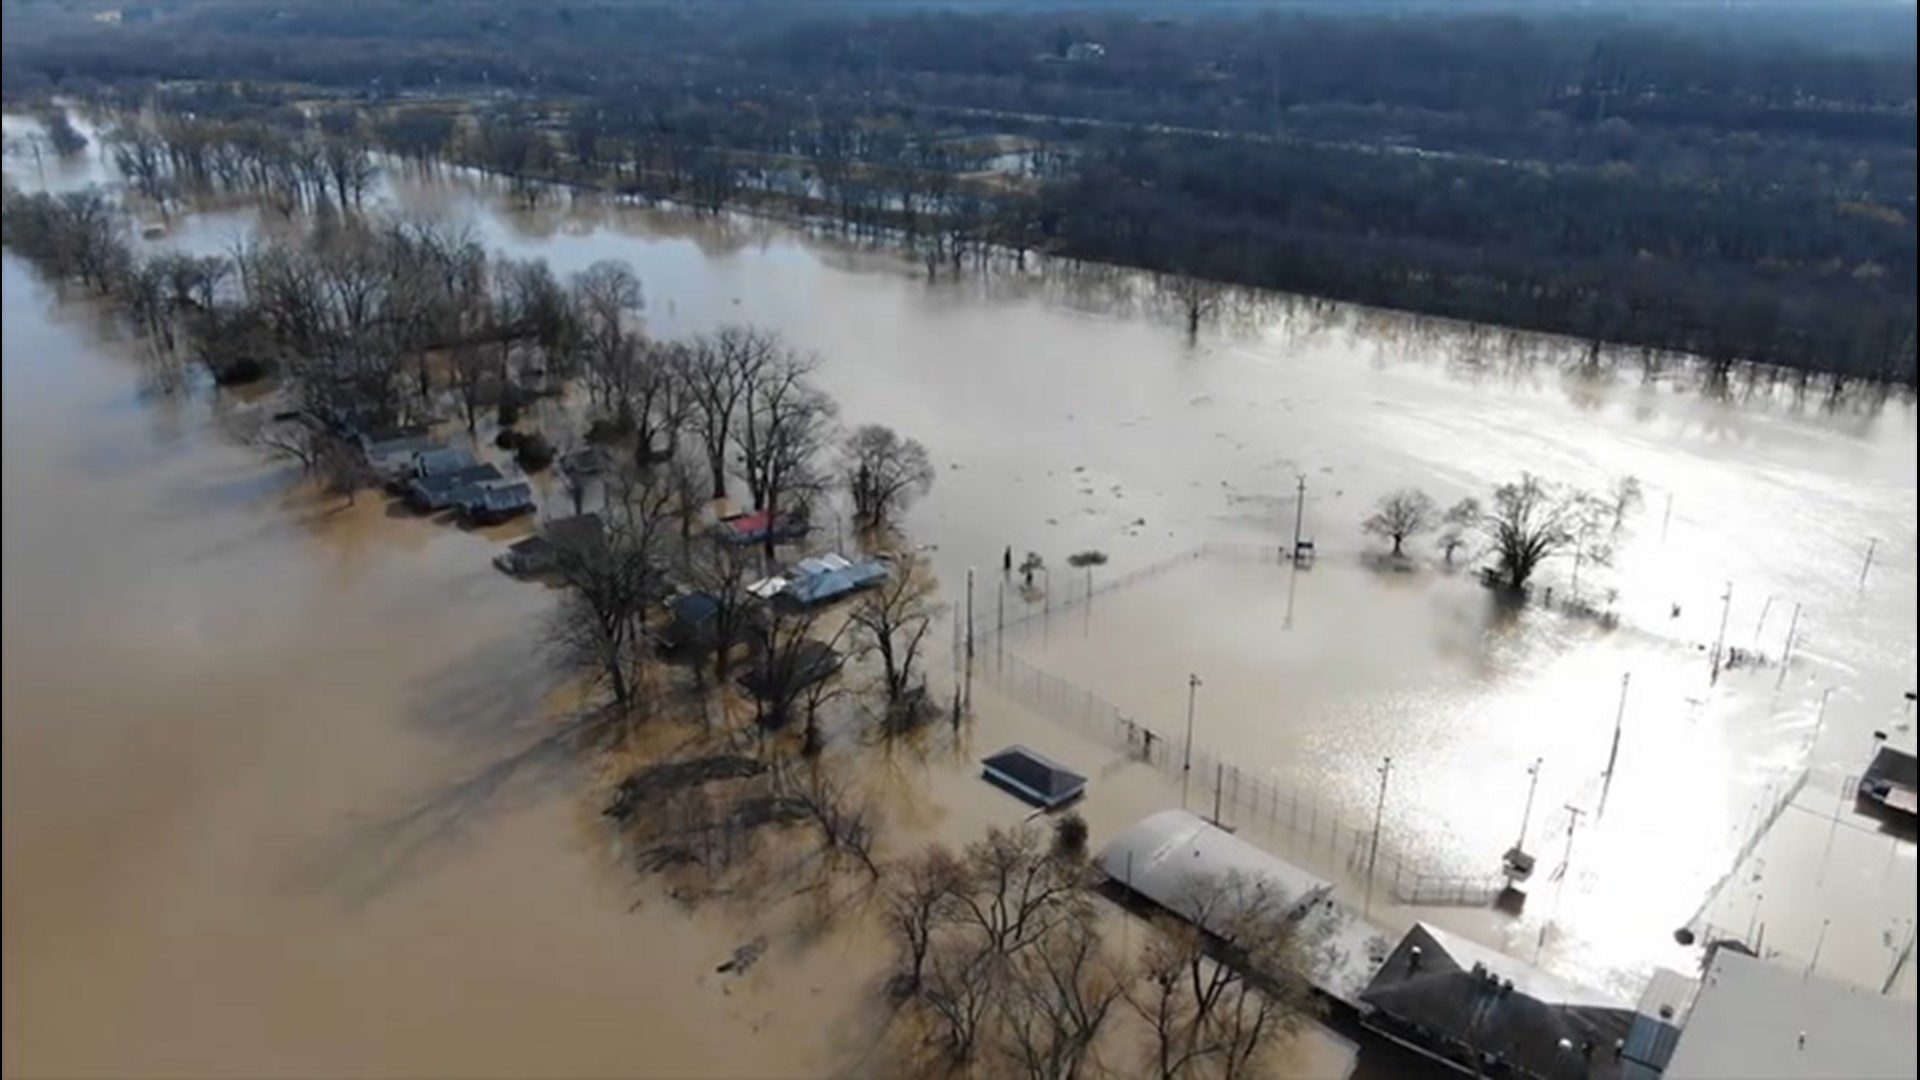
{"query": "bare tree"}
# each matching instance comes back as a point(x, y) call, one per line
point(1057, 999)
point(892, 621)
point(599, 628)
point(785, 426)
point(917, 903)
point(1016, 889)
point(1197, 299)
point(847, 823)
point(958, 990)
point(716, 373)
point(1623, 499)
point(1459, 518)
point(1531, 520)
point(1400, 515)
point(885, 473)
point(721, 572)
point(1221, 989)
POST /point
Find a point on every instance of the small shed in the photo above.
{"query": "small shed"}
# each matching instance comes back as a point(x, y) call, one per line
point(1890, 781)
point(1033, 777)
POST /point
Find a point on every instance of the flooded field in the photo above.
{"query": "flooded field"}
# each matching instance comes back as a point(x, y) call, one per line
point(256, 820)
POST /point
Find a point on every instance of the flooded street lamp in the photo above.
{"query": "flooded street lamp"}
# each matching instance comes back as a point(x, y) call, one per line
point(1526, 815)
point(1720, 640)
point(1186, 760)
point(1373, 846)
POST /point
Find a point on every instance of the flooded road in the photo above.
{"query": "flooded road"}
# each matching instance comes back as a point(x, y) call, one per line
point(255, 821)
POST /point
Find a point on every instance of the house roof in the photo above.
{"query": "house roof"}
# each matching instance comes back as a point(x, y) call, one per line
point(452, 480)
point(443, 459)
point(581, 529)
point(1464, 1000)
point(807, 662)
point(1034, 777)
point(512, 496)
point(831, 581)
point(694, 607)
point(1760, 1021)
point(1167, 856)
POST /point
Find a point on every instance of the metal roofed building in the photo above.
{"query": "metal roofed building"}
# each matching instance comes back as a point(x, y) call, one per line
point(1038, 779)
point(1165, 857)
point(1759, 1021)
point(1481, 1012)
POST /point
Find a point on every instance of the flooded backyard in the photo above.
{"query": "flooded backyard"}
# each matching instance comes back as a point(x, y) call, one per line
point(256, 821)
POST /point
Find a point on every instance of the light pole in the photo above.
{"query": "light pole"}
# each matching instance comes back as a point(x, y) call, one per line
point(1186, 760)
point(1373, 846)
point(1533, 784)
point(1613, 756)
point(1720, 640)
point(1299, 515)
point(1819, 722)
point(1872, 545)
point(1786, 651)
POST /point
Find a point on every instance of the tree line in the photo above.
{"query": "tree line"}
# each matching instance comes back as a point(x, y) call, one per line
point(1742, 191)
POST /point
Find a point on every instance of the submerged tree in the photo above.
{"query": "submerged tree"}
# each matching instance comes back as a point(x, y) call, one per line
point(892, 621)
point(1459, 518)
point(1400, 515)
point(885, 473)
point(1530, 520)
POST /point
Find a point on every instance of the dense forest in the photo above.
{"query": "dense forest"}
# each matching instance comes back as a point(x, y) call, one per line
point(1735, 183)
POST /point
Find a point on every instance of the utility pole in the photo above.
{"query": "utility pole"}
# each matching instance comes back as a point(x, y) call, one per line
point(1762, 624)
point(1817, 944)
point(1526, 816)
point(969, 616)
point(1819, 722)
point(1186, 760)
point(1373, 847)
point(1786, 652)
point(1666, 519)
point(1613, 756)
point(1868, 565)
point(1299, 515)
point(1000, 624)
point(1720, 641)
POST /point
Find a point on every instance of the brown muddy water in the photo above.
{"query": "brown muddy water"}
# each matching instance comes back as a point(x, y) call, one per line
point(257, 820)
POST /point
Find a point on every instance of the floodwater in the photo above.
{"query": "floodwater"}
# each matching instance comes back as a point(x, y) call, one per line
point(256, 816)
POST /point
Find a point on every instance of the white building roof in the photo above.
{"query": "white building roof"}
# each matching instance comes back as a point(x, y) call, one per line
point(1166, 856)
point(1759, 1021)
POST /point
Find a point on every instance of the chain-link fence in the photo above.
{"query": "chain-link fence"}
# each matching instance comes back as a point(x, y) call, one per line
point(1311, 832)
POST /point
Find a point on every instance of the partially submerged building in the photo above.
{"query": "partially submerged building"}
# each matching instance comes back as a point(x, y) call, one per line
point(490, 504)
point(1759, 1021)
point(1176, 860)
point(826, 578)
point(1483, 1013)
point(442, 490)
point(1034, 777)
point(778, 675)
point(580, 536)
point(1887, 788)
point(755, 526)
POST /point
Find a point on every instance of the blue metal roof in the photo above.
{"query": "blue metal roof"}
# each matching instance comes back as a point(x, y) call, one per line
point(827, 585)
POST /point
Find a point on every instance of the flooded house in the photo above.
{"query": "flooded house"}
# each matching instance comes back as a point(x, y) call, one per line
point(693, 628)
point(392, 459)
point(576, 536)
point(826, 578)
point(491, 504)
point(442, 490)
point(755, 526)
point(1479, 1012)
point(781, 674)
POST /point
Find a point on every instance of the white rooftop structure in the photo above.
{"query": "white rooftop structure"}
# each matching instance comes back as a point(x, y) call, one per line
point(1171, 856)
point(1759, 1021)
